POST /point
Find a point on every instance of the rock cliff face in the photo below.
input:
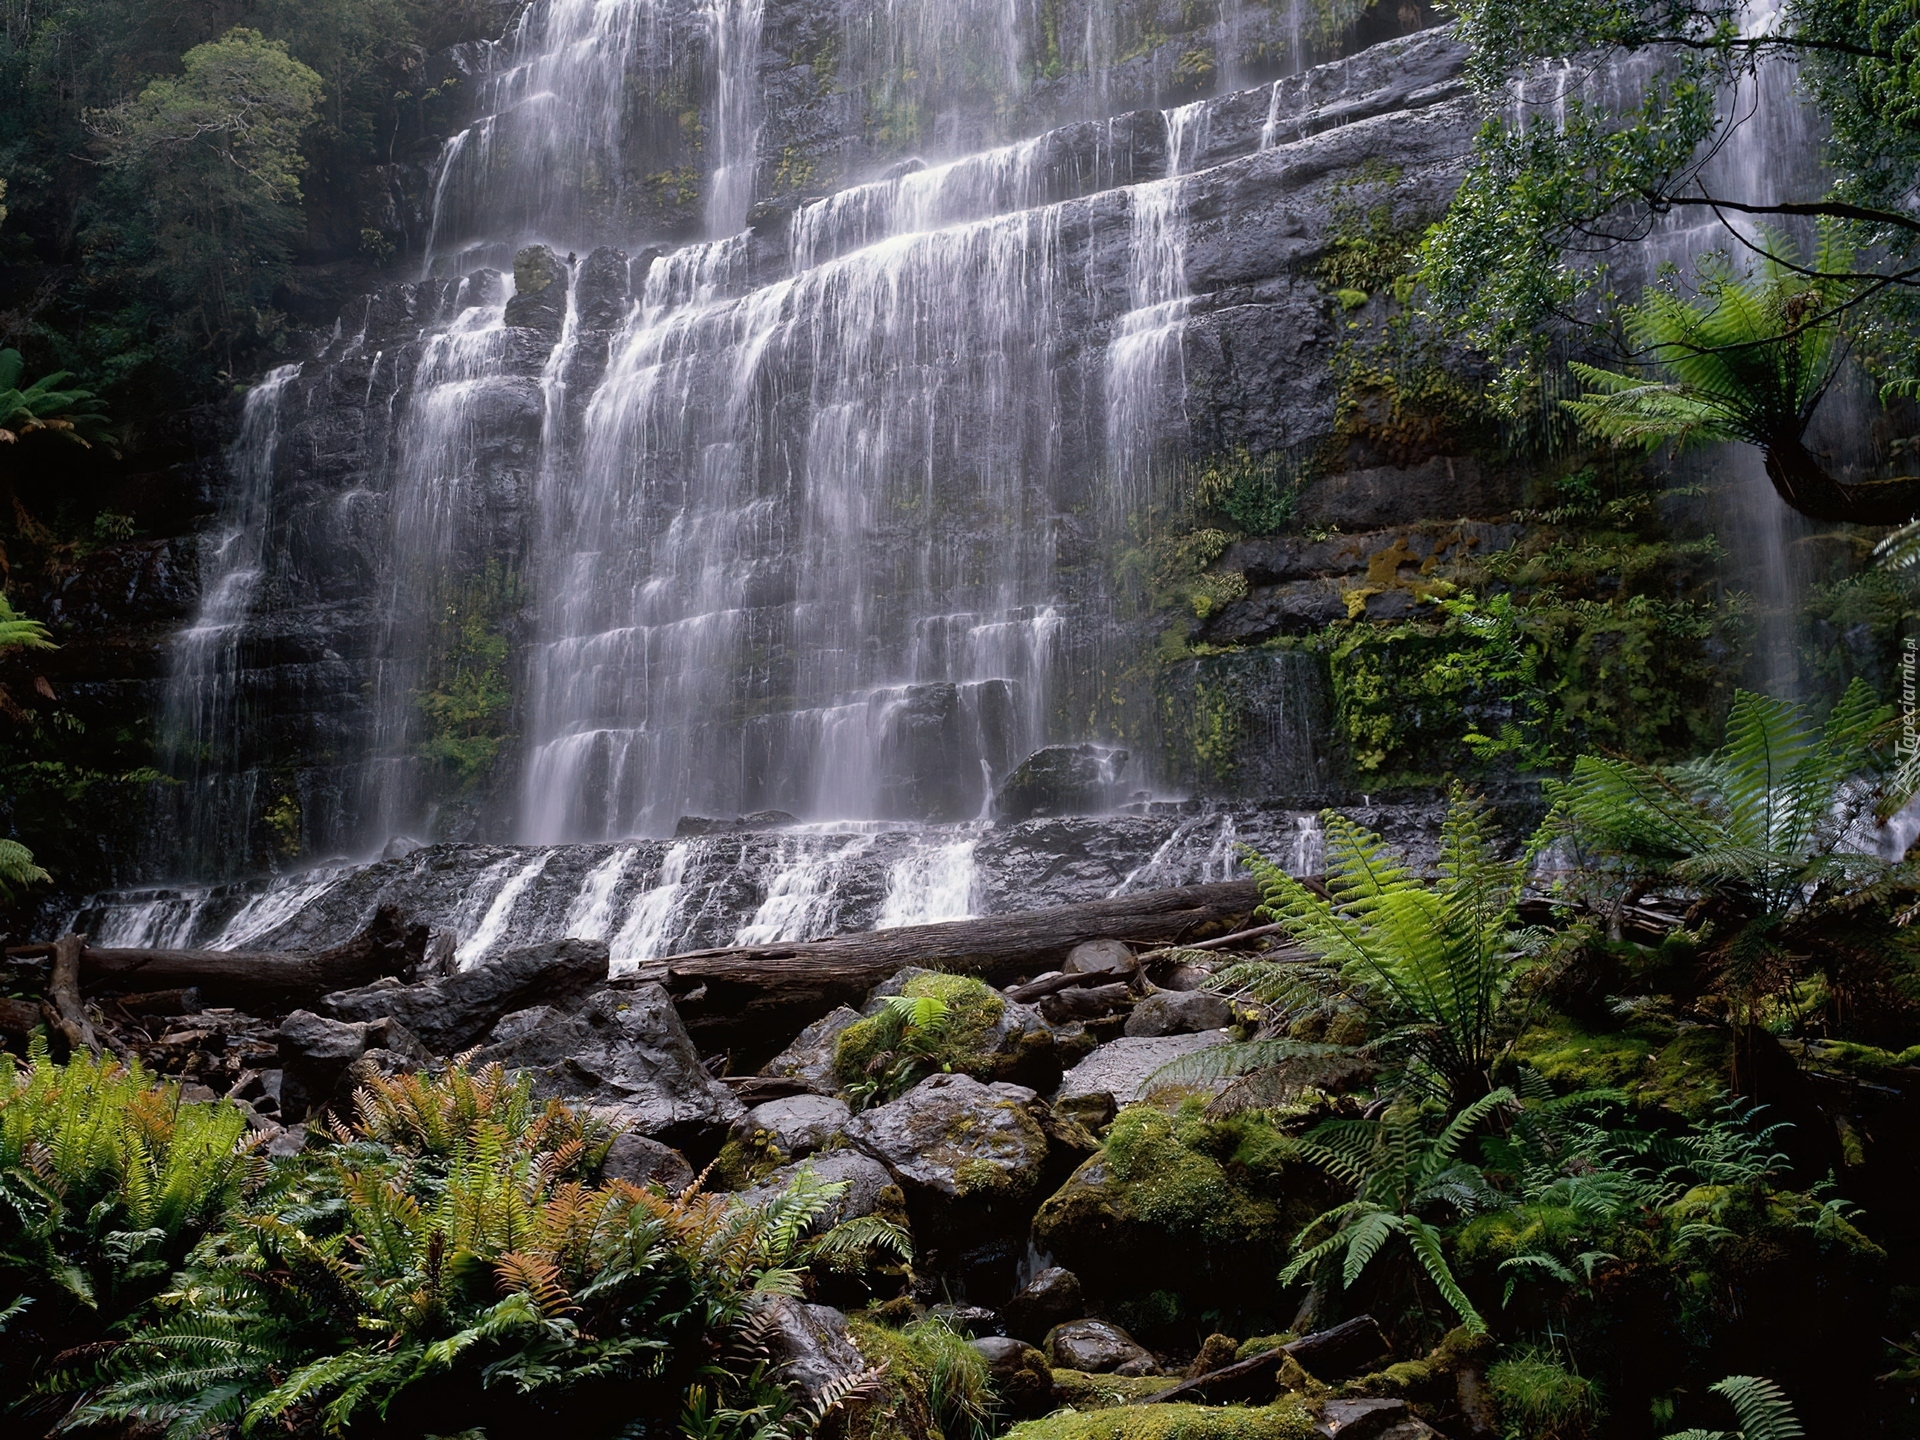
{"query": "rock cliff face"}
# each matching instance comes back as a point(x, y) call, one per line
point(828, 514)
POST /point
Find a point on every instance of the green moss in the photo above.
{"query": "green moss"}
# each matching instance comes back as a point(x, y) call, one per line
point(1261, 1344)
point(1102, 1392)
point(1540, 1399)
point(1285, 1421)
point(468, 700)
point(1203, 1209)
point(906, 1411)
point(887, 1054)
point(1684, 1070)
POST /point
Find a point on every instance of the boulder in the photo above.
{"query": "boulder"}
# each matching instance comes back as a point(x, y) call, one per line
point(1020, 1375)
point(809, 1059)
point(794, 1127)
point(626, 1052)
point(967, 1149)
point(982, 1033)
point(969, 1320)
point(1098, 1348)
point(1124, 1069)
point(639, 1161)
point(1051, 1298)
point(539, 291)
point(866, 1179)
point(1062, 780)
point(808, 1344)
point(1366, 1419)
point(322, 1059)
point(1100, 957)
point(458, 1010)
point(602, 290)
point(1194, 1206)
point(1178, 1012)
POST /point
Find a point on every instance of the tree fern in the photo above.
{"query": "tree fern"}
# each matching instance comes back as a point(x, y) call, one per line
point(1432, 963)
point(1746, 357)
point(1771, 838)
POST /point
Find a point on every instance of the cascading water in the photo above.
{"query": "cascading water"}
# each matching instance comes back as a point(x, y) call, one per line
point(811, 516)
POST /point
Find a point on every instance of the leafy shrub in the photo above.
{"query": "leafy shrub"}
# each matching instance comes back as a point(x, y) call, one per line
point(107, 1181)
point(447, 1265)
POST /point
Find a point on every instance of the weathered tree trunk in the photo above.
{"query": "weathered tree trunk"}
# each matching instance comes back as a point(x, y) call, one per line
point(1806, 485)
point(1346, 1349)
point(754, 998)
point(263, 980)
point(63, 990)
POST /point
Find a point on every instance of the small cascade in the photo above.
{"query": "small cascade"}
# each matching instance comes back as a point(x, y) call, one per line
point(1142, 363)
point(573, 104)
point(734, 27)
point(205, 716)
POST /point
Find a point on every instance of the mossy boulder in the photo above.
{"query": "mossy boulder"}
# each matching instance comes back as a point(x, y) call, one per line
point(1683, 1068)
point(905, 1409)
point(1202, 1209)
point(1287, 1420)
point(972, 1029)
point(972, 1158)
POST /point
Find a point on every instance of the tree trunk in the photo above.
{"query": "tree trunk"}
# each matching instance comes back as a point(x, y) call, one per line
point(264, 981)
point(1807, 486)
point(756, 998)
point(63, 989)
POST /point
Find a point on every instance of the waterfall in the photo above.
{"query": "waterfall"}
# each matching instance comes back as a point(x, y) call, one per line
point(204, 718)
point(807, 512)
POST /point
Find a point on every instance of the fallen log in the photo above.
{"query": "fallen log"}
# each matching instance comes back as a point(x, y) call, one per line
point(751, 999)
point(262, 979)
point(1346, 1349)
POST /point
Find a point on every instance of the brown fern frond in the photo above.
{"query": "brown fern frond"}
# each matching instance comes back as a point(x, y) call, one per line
point(540, 1279)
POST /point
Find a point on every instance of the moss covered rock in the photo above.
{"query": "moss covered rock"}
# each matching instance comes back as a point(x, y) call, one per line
point(963, 1026)
point(1284, 1421)
point(1202, 1209)
point(1686, 1069)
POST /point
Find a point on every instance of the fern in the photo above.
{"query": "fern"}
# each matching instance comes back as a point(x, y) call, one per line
point(1434, 965)
point(1763, 1411)
point(1771, 839)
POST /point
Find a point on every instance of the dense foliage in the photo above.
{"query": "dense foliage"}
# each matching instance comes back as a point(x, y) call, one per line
point(1567, 169)
point(448, 1262)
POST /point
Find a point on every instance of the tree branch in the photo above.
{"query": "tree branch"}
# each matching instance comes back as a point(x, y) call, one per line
point(1834, 209)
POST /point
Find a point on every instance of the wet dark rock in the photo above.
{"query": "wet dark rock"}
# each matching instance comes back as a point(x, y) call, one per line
point(318, 1056)
point(1441, 488)
point(1178, 1012)
point(1097, 1347)
point(627, 1052)
point(601, 290)
point(456, 1011)
point(868, 1184)
point(796, 1126)
point(539, 292)
point(639, 1161)
point(973, 1151)
point(809, 1344)
point(1063, 780)
point(809, 1059)
point(1050, 1298)
point(1299, 608)
point(1100, 957)
point(969, 1320)
point(1361, 1419)
point(1123, 1069)
point(694, 825)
